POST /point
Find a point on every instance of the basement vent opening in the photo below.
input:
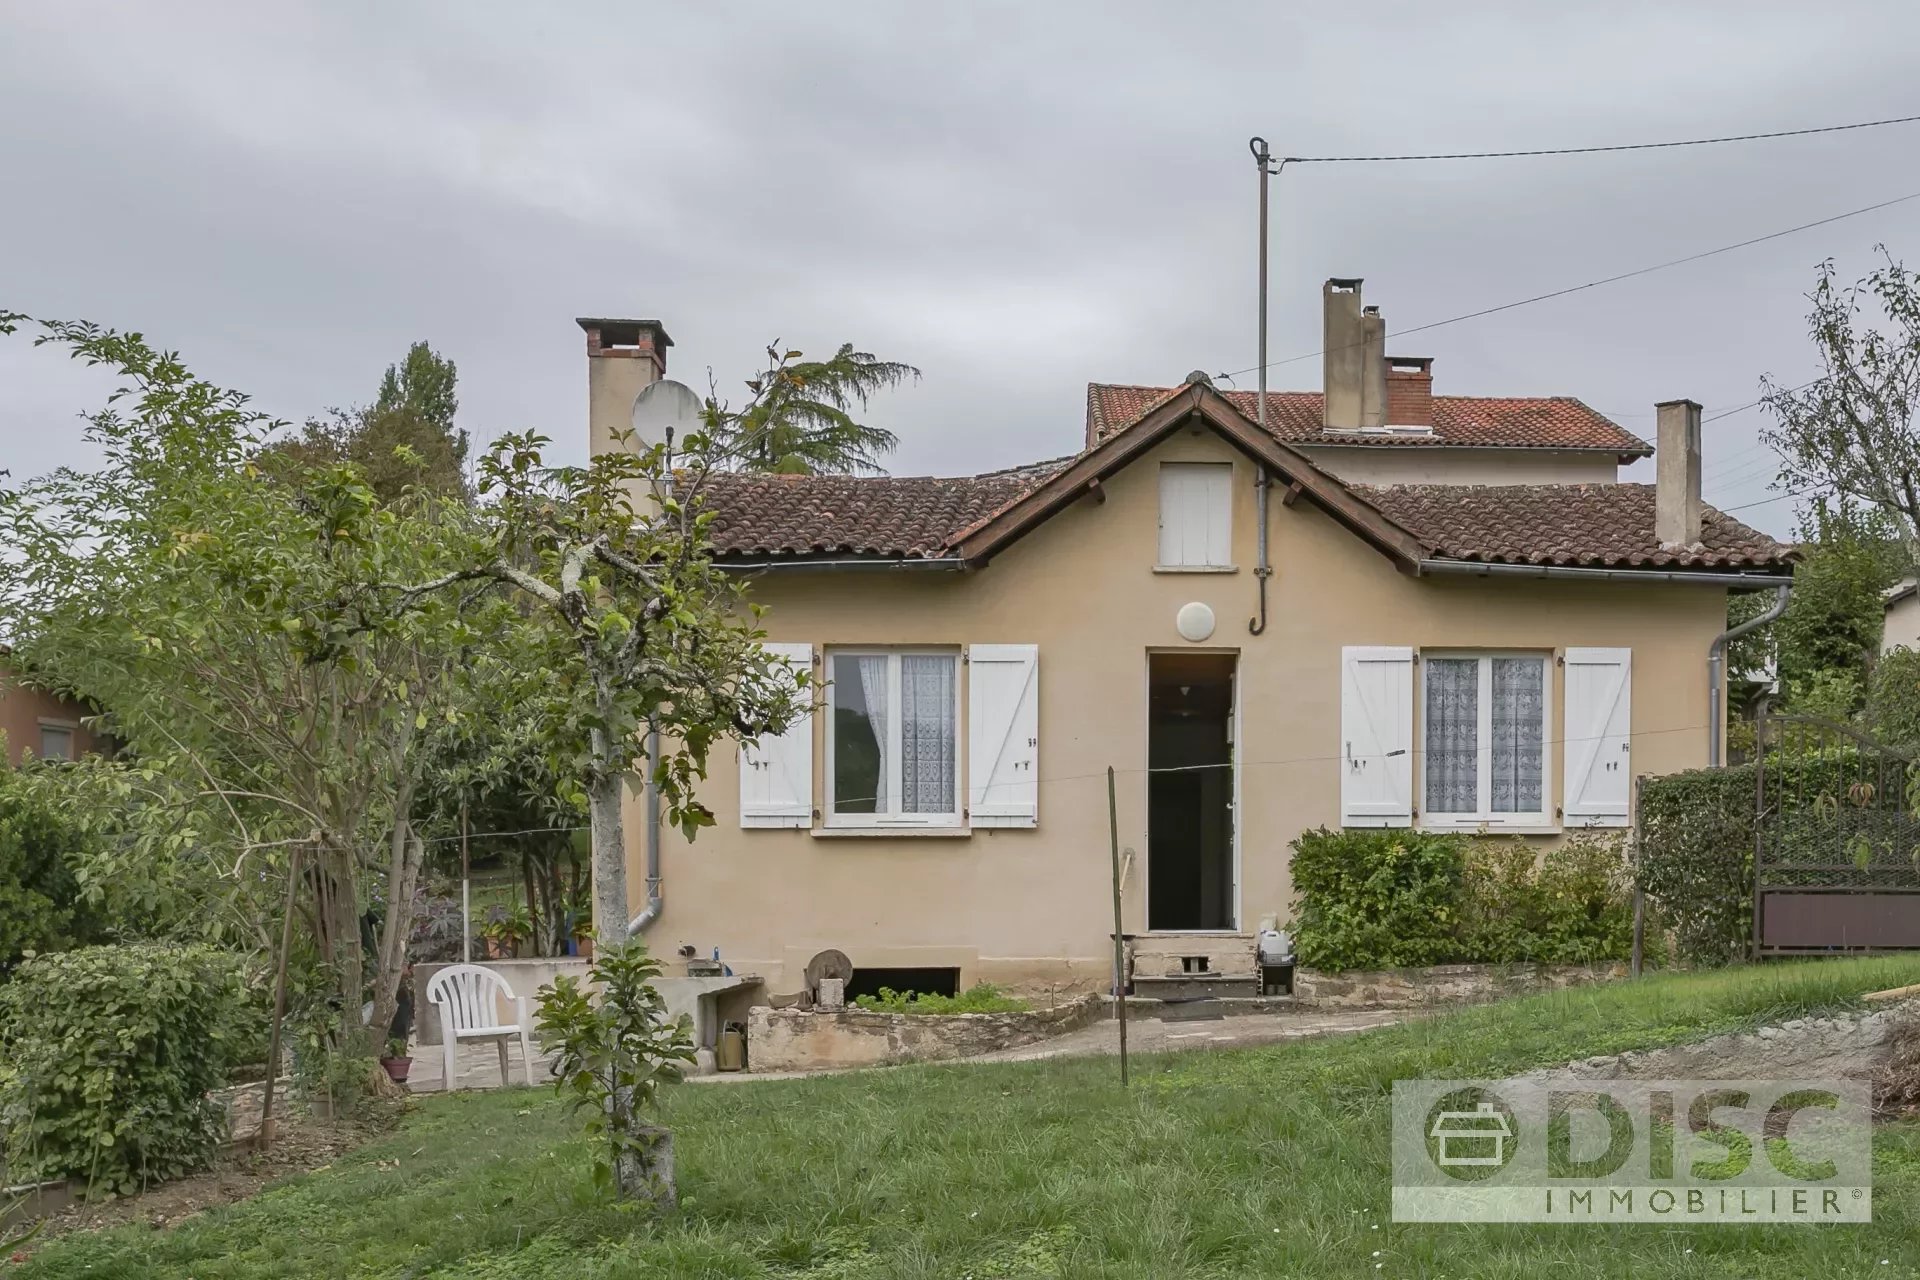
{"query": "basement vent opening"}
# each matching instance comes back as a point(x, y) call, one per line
point(935, 982)
point(1193, 964)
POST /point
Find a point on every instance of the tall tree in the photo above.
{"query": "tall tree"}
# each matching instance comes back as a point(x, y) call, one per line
point(801, 418)
point(207, 593)
point(1851, 431)
point(404, 441)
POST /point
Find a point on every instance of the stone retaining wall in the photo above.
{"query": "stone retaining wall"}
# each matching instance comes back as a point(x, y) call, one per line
point(793, 1040)
point(1442, 984)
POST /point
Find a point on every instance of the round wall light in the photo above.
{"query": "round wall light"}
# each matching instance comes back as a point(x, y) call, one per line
point(1194, 621)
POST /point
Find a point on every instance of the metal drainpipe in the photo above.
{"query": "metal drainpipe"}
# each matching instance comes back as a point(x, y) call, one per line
point(655, 901)
point(1716, 671)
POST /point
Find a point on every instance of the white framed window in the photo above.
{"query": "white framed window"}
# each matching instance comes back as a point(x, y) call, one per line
point(1196, 515)
point(1483, 735)
point(893, 738)
point(56, 740)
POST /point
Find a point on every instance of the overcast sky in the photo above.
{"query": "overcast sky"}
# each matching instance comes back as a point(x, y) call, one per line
point(1017, 198)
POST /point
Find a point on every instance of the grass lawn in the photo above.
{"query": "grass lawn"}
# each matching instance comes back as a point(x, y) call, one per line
point(1265, 1162)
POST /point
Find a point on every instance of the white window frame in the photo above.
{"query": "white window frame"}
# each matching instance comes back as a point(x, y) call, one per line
point(1161, 563)
point(1483, 818)
point(891, 753)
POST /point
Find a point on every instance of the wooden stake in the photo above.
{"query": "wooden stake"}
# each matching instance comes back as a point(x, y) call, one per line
point(466, 898)
point(1119, 941)
point(264, 1138)
point(1639, 898)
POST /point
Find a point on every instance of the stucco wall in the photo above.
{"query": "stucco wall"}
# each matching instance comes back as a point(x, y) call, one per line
point(1414, 464)
point(1902, 627)
point(1033, 907)
point(22, 710)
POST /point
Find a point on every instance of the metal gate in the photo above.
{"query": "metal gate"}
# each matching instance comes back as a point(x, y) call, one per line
point(1836, 853)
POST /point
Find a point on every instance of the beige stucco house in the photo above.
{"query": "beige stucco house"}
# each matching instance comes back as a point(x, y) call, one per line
point(1467, 625)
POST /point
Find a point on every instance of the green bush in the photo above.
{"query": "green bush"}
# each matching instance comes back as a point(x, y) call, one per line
point(1377, 899)
point(982, 997)
point(1394, 899)
point(1571, 905)
point(109, 1055)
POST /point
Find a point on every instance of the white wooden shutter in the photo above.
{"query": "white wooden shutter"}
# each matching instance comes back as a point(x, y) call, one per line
point(776, 774)
point(1376, 732)
point(1003, 735)
point(1599, 755)
point(1196, 510)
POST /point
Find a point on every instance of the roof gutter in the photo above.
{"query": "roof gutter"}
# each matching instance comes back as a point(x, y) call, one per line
point(791, 565)
point(1703, 578)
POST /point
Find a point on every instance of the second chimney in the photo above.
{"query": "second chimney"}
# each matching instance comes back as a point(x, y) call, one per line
point(1676, 487)
point(1409, 391)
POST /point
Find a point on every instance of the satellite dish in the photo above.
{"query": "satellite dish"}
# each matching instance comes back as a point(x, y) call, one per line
point(665, 406)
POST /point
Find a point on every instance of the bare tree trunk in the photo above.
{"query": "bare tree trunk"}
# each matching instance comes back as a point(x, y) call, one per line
point(403, 880)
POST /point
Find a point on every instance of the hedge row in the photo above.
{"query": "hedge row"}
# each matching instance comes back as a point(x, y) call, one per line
point(1396, 899)
point(107, 1056)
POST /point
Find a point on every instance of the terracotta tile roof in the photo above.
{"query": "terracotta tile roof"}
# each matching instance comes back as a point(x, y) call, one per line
point(891, 516)
point(1503, 422)
point(1593, 525)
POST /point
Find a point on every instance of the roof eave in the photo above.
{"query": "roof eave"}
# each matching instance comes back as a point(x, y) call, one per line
point(1730, 579)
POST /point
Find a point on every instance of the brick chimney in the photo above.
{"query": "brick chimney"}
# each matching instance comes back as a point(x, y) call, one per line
point(624, 357)
point(1353, 359)
point(1676, 487)
point(1409, 391)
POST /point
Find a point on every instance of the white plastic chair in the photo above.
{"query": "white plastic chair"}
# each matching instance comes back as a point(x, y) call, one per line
point(469, 1000)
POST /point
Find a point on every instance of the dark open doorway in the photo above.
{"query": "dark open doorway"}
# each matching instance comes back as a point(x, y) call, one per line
point(1190, 807)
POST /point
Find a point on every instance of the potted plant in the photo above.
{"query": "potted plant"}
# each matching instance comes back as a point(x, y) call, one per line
point(505, 929)
point(583, 939)
point(397, 1061)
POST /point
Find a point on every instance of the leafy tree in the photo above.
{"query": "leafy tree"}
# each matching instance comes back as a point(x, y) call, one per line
point(1893, 699)
point(209, 594)
point(422, 385)
point(404, 441)
point(42, 906)
point(1823, 647)
point(801, 418)
point(653, 653)
point(1851, 431)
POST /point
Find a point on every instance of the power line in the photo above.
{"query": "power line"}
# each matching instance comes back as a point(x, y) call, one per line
point(1614, 279)
point(1587, 151)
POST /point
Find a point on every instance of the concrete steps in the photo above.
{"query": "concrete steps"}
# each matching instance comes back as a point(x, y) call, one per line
point(1196, 986)
point(1191, 955)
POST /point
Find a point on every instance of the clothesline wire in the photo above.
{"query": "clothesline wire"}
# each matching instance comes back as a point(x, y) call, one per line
point(1131, 772)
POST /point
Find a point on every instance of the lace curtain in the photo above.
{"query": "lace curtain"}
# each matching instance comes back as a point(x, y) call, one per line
point(927, 733)
point(1519, 693)
point(1453, 734)
point(873, 690)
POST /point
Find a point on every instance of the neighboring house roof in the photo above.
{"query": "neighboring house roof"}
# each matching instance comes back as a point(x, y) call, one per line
point(1901, 590)
point(1599, 525)
point(973, 518)
point(1488, 422)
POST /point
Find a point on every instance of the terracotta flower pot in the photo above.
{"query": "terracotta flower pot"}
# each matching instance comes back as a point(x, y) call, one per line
point(397, 1068)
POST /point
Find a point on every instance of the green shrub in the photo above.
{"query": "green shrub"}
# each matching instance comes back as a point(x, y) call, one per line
point(1377, 899)
point(110, 1053)
point(982, 997)
point(1570, 905)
